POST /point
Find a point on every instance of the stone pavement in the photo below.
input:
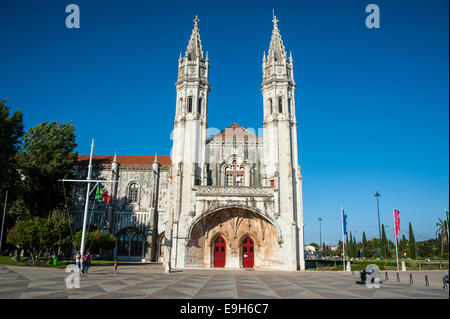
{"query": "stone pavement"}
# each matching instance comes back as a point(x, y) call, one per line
point(150, 281)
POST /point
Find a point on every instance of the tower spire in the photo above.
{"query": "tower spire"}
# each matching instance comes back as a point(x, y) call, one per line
point(276, 49)
point(194, 48)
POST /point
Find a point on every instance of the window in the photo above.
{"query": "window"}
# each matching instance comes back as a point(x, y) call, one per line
point(234, 175)
point(280, 105)
point(123, 246)
point(190, 104)
point(228, 179)
point(289, 105)
point(240, 180)
point(133, 194)
point(130, 247)
point(199, 107)
point(136, 245)
point(197, 182)
point(270, 105)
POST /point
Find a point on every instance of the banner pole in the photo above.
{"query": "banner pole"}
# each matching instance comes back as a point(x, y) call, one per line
point(395, 231)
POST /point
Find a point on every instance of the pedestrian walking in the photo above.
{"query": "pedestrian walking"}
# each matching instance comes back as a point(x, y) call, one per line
point(115, 268)
point(77, 261)
point(84, 264)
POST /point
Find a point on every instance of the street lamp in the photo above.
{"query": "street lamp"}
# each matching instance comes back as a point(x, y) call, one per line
point(379, 227)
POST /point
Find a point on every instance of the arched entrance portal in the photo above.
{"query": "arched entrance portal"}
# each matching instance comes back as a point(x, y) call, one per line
point(248, 251)
point(219, 252)
point(218, 239)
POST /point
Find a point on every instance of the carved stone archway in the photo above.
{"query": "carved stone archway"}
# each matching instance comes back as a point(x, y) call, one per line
point(233, 224)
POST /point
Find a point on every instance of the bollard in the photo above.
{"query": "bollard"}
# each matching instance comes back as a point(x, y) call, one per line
point(411, 281)
point(427, 284)
point(386, 278)
point(398, 277)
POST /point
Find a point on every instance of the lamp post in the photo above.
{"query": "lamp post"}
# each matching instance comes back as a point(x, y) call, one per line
point(320, 232)
point(379, 227)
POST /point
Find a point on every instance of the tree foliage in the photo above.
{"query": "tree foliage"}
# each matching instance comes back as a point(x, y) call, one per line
point(48, 154)
point(96, 241)
point(11, 132)
point(38, 234)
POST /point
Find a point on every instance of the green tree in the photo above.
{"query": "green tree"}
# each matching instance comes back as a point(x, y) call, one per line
point(384, 243)
point(412, 242)
point(48, 154)
point(32, 235)
point(38, 234)
point(441, 233)
point(11, 132)
point(61, 231)
point(365, 247)
point(96, 241)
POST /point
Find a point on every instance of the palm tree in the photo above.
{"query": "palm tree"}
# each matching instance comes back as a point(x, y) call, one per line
point(441, 231)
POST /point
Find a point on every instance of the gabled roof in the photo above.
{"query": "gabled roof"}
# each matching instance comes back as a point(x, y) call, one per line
point(234, 130)
point(126, 159)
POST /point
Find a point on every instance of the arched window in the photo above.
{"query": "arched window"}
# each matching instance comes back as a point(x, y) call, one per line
point(199, 107)
point(137, 243)
point(270, 105)
point(289, 105)
point(133, 194)
point(190, 104)
point(280, 105)
point(123, 245)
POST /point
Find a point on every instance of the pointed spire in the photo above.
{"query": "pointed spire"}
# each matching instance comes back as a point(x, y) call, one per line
point(276, 49)
point(264, 56)
point(115, 157)
point(156, 158)
point(194, 48)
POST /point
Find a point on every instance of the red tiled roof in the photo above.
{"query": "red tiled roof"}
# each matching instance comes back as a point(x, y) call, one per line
point(127, 159)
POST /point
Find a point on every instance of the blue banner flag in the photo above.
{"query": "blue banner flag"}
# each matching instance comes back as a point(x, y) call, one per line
point(344, 216)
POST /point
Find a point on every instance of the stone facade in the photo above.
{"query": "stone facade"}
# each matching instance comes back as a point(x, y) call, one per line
point(230, 200)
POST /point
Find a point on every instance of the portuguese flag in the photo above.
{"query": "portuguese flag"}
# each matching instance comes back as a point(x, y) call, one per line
point(101, 193)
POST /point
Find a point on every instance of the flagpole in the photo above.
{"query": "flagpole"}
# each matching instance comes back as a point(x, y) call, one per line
point(395, 232)
point(83, 235)
point(343, 238)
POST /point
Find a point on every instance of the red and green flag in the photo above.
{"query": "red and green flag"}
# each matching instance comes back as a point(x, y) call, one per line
point(101, 193)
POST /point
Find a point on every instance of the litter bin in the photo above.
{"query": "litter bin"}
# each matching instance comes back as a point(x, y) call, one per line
point(55, 261)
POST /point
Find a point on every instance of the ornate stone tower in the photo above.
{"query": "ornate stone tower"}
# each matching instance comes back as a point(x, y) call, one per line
point(280, 143)
point(188, 152)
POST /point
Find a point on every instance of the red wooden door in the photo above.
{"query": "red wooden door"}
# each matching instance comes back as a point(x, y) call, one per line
point(248, 253)
point(219, 252)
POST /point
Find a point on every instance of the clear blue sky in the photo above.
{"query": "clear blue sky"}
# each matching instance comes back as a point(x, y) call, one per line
point(372, 104)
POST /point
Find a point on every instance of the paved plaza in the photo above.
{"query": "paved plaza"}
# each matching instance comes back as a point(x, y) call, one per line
point(150, 281)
